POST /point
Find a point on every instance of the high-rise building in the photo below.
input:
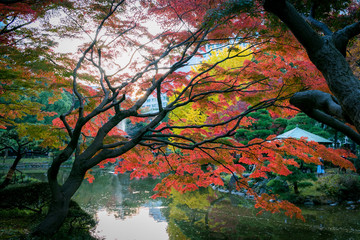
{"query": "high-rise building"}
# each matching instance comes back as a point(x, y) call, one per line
point(151, 105)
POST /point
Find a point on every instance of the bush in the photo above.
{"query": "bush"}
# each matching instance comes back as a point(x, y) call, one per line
point(356, 163)
point(33, 196)
point(21, 178)
point(340, 187)
point(77, 219)
point(278, 186)
point(17, 200)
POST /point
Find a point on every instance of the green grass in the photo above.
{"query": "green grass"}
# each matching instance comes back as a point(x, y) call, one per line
point(27, 171)
point(311, 190)
point(9, 161)
point(15, 223)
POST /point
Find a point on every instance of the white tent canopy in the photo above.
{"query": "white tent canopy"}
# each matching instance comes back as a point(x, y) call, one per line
point(298, 133)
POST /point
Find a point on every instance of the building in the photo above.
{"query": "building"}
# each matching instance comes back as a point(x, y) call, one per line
point(298, 133)
point(151, 104)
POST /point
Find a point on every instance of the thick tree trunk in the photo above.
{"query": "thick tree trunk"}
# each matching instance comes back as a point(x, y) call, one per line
point(11, 171)
point(296, 188)
point(55, 218)
point(327, 53)
point(59, 206)
point(340, 79)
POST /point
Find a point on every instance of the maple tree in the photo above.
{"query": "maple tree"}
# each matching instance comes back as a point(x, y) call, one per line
point(25, 74)
point(25, 60)
point(125, 62)
point(27, 135)
point(327, 51)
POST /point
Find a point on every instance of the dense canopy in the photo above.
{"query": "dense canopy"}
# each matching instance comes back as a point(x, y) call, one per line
point(215, 61)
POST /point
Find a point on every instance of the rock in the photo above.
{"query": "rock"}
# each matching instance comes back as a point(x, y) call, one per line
point(309, 203)
point(239, 194)
point(245, 175)
point(262, 190)
point(352, 207)
point(223, 190)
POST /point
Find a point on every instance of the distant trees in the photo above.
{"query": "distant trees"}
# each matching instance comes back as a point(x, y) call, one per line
point(28, 82)
point(122, 61)
point(260, 125)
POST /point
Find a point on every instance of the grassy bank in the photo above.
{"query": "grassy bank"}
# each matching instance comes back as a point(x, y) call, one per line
point(10, 160)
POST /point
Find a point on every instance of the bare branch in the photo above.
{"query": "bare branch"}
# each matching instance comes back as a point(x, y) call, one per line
point(88, 49)
point(11, 1)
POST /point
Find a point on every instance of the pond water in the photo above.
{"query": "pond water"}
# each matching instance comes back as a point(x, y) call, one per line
point(123, 209)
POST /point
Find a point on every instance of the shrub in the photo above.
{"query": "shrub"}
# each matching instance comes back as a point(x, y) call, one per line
point(17, 200)
point(78, 222)
point(278, 186)
point(21, 178)
point(340, 186)
point(33, 196)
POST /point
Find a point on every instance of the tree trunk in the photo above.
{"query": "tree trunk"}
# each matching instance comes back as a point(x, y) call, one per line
point(327, 53)
point(11, 171)
point(6, 154)
point(56, 215)
point(296, 188)
point(59, 206)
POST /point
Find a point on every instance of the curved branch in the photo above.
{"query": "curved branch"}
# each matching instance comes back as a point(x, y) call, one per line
point(324, 108)
point(10, 1)
point(343, 36)
point(351, 31)
point(311, 99)
point(324, 28)
point(87, 50)
point(287, 13)
point(5, 29)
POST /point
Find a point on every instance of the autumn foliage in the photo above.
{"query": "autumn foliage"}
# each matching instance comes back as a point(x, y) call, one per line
point(216, 61)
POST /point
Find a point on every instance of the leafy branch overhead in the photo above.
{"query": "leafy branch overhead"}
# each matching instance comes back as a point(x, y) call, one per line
point(207, 67)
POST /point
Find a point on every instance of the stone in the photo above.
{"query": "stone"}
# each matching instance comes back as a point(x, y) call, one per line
point(309, 203)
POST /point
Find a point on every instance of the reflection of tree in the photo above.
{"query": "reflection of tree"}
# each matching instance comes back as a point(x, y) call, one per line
point(190, 215)
point(116, 193)
point(206, 215)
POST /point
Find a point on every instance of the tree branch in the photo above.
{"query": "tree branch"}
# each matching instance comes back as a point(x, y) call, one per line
point(324, 108)
point(343, 36)
point(324, 28)
point(10, 1)
point(305, 34)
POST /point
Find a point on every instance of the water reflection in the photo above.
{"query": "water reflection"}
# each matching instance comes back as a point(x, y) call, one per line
point(141, 225)
point(124, 210)
point(210, 215)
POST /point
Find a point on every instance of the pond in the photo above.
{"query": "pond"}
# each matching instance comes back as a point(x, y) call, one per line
point(123, 209)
